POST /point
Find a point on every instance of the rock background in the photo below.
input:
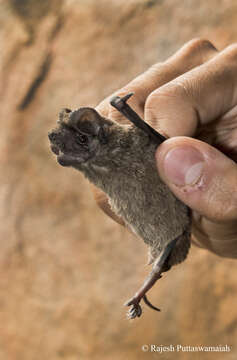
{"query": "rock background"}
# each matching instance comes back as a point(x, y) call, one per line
point(66, 268)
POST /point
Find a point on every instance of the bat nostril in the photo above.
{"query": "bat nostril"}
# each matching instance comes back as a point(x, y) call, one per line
point(52, 136)
point(57, 142)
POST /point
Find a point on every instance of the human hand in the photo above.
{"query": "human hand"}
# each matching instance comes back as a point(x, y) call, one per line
point(194, 93)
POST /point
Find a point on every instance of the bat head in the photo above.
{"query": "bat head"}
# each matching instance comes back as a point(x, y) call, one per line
point(79, 136)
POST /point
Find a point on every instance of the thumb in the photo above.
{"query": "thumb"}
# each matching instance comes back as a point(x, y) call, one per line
point(200, 176)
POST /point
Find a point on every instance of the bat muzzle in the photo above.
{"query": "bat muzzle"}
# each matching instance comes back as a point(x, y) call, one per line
point(64, 145)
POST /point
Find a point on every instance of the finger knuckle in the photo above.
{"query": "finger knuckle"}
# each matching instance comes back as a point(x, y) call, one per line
point(151, 98)
point(231, 51)
point(172, 91)
point(200, 44)
point(161, 99)
point(154, 97)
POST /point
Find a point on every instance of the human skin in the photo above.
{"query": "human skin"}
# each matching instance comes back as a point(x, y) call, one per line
point(192, 99)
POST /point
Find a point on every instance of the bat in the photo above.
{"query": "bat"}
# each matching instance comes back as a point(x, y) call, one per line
point(120, 160)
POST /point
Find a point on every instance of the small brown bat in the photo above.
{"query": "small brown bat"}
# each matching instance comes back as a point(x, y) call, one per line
point(120, 160)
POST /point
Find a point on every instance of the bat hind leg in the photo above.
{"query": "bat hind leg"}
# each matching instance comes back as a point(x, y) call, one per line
point(160, 265)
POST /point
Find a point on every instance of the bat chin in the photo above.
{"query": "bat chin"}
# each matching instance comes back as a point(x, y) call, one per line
point(69, 160)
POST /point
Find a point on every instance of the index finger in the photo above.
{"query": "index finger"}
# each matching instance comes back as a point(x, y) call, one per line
point(192, 54)
point(196, 97)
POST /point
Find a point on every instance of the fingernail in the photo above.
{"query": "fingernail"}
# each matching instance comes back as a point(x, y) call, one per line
point(184, 165)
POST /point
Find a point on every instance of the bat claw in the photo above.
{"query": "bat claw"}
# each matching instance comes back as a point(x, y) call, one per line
point(119, 102)
point(134, 311)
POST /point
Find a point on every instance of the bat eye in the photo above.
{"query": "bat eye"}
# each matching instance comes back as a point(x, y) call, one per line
point(81, 139)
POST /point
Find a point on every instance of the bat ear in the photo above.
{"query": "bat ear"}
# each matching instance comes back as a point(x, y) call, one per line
point(89, 121)
point(85, 115)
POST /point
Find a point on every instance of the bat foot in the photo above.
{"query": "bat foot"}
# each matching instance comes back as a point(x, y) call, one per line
point(159, 267)
point(134, 311)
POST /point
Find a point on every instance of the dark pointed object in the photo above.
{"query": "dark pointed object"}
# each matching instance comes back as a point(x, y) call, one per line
point(120, 103)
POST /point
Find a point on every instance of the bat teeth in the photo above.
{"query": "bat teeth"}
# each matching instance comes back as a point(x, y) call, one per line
point(55, 149)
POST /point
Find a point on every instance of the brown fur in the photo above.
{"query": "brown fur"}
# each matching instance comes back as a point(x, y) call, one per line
point(120, 160)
